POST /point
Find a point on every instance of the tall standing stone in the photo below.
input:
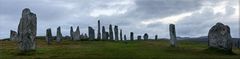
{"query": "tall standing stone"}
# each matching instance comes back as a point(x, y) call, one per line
point(145, 36)
point(125, 38)
point(27, 30)
point(103, 33)
point(76, 34)
point(59, 35)
point(13, 35)
point(138, 37)
point(219, 37)
point(156, 37)
point(116, 32)
point(91, 33)
point(110, 32)
point(71, 32)
point(131, 36)
point(172, 35)
point(49, 37)
point(99, 34)
point(121, 38)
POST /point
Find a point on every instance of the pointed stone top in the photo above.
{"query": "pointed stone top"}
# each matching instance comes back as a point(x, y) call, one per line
point(219, 23)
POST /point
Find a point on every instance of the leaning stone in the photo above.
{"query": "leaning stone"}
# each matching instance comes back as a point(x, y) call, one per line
point(116, 32)
point(49, 37)
point(59, 35)
point(27, 30)
point(219, 37)
point(91, 33)
point(172, 35)
point(145, 36)
point(13, 35)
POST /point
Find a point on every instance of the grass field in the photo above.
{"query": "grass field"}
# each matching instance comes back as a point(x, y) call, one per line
point(114, 50)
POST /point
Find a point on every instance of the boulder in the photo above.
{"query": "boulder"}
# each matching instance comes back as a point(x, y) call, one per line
point(219, 37)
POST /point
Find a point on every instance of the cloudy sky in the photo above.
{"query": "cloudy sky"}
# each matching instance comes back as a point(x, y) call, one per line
point(193, 18)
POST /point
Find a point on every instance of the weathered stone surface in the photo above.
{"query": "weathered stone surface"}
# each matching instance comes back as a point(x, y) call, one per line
point(110, 32)
point(71, 32)
point(48, 36)
point(13, 35)
point(99, 34)
point(121, 38)
point(116, 32)
point(145, 36)
point(219, 37)
point(125, 38)
point(107, 35)
point(172, 35)
point(76, 34)
point(156, 37)
point(139, 38)
point(27, 30)
point(59, 35)
point(91, 33)
point(104, 36)
point(131, 36)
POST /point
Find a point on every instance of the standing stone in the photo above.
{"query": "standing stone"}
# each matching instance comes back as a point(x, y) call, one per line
point(131, 36)
point(125, 38)
point(99, 34)
point(59, 35)
point(91, 33)
point(71, 32)
point(13, 35)
point(76, 34)
point(27, 30)
point(85, 36)
point(172, 35)
point(107, 35)
point(116, 32)
point(103, 33)
point(156, 37)
point(145, 36)
point(219, 37)
point(48, 36)
point(110, 32)
point(138, 37)
point(121, 38)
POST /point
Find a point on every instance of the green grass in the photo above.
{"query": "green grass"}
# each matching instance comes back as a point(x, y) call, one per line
point(114, 50)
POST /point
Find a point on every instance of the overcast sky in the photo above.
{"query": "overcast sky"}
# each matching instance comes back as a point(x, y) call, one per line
point(193, 18)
